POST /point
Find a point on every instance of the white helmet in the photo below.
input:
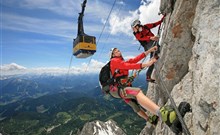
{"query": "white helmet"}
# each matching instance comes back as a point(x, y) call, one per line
point(111, 52)
point(135, 23)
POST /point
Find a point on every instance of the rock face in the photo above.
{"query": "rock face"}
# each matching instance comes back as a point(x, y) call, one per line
point(101, 128)
point(189, 64)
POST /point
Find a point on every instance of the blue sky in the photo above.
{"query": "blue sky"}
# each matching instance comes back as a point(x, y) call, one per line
point(37, 34)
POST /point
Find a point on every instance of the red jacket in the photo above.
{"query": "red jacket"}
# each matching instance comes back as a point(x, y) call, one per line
point(118, 63)
point(145, 34)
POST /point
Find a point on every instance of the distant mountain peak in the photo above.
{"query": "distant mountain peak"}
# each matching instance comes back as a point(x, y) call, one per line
point(101, 128)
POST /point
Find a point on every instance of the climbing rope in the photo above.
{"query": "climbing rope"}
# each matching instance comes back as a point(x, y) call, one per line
point(172, 102)
point(186, 130)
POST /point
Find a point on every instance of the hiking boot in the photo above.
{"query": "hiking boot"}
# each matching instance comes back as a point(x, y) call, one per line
point(183, 108)
point(168, 115)
point(149, 79)
point(153, 119)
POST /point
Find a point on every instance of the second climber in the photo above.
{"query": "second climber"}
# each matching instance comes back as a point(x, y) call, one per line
point(147, 40)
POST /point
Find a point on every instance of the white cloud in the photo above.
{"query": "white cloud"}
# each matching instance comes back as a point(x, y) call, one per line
point(121, 24)
point(149, 12)
point(11, 67)
point(69, 7)
point(42, 24)
point(53, 27)
point(95, 11)
point(66, 8)
point(146, 13)
point(30, 24)
point(93, 67)
point(14, 69)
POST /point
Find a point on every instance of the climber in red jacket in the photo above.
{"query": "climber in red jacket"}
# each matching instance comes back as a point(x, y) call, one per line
point(146, 38)
point(131, 95)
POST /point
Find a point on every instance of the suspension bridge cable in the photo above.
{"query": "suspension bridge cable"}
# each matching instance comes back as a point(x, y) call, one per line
point(109, 32)
point(101, 32)
point(96, 45)
point(67, 75)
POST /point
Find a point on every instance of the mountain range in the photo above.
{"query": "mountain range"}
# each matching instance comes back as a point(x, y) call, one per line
point(48, 104)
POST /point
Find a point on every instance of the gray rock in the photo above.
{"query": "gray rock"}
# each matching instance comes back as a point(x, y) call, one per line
point(189, 65)
point(166, 6)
